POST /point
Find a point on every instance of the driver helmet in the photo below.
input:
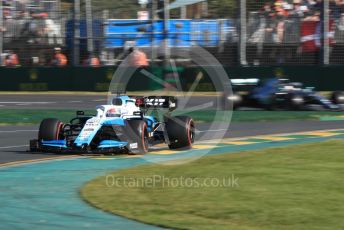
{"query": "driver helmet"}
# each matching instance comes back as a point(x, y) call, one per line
point(113, 112)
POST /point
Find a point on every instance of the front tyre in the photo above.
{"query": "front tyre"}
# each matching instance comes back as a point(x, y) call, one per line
point(50, 129)
point(181, 132)
point(232, 101)
point(296, 102)
point(138, 137)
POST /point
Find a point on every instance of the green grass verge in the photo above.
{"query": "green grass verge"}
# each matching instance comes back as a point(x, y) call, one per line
point(297, 187)
point(262, 116)
point(33, 116)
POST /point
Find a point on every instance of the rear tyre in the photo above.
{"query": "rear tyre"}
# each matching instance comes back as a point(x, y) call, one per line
point(181, 132)
point(138, 137)
point(50, 129)
point(337, 97)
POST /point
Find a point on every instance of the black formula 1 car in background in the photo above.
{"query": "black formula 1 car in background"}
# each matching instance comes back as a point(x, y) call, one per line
point(282, 94)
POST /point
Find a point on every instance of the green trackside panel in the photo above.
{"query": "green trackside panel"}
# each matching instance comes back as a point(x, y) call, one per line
point(35, 79)
point(329, 78)
point(91, 79)
point(198, 75)
point(56, 79)
point(159, 73)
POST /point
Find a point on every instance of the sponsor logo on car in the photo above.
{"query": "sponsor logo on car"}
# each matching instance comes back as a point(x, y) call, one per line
point(133, 145)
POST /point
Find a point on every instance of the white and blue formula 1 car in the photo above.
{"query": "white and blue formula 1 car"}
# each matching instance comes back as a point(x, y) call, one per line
point(121, 127)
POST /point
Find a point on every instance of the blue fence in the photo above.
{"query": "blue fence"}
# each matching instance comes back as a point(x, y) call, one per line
point(182, 33)
point(115, 33)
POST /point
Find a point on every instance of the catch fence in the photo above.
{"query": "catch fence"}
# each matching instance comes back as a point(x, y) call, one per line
point(258, 33)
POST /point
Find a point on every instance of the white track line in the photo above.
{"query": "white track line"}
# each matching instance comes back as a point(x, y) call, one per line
point(14, 146)
point(74, 101)
point(27, 102)
point(16, 131)
point(212, 130)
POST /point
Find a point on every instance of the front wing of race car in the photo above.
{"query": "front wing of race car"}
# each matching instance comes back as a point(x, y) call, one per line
point(61, 146)
point(82, 144)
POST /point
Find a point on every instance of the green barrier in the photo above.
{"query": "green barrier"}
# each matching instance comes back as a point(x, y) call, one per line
point(98, 79)
point(67, 79)
point(56, 79)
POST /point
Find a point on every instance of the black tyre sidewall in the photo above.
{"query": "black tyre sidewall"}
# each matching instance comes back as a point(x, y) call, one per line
point(49, 129)
point(179, 131)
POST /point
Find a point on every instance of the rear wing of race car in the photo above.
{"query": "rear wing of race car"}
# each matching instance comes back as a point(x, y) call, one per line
point(246, 84)
point(246, 81)
point(157, 102)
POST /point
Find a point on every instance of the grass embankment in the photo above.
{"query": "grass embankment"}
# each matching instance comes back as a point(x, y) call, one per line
point(264, 116)
point(298, 187)
point(34, 116)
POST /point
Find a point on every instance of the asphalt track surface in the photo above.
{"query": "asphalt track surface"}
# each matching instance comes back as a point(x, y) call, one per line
point(14, 140)
point(79, 102)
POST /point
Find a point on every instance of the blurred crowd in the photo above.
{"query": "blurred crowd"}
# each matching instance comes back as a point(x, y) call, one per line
point(280, 32)
point(295, 22)
point(22, 19)
point(29, 23)
point(281, 21)
point(33, 34)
